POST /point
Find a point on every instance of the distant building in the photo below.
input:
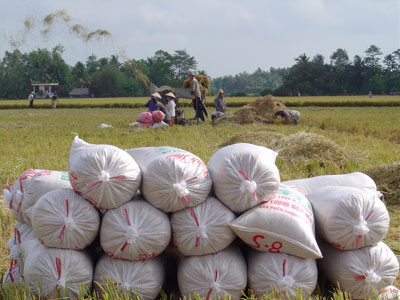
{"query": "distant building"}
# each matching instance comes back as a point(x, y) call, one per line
point(79, 92)
point(44, 90)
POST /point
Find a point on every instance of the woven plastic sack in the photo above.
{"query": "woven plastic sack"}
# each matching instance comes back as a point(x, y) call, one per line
point(244, 175)
point(13, 273)
point(50, 271)
point(389, 293)
point(202, 229)
point(283, 224)
point(360, 272)
point(22, 232)
point(103, 174)
point(356, 179)
point(172, 178)
point(41, 183)
point(214, 275)
point(146, 118)
point(139, 278)
point(160, 125)
point(135, 231)
point(64, 219)
point(14, 194)
point(158, 116)
point(349, 218)
point(281, 273)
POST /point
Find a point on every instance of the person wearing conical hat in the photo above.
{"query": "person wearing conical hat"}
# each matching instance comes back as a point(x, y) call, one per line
point(220, 106)
point(171, 105)
point(150, 104)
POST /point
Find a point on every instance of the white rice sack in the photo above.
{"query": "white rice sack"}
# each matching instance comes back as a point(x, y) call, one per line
point(283, 224)
point(360, 272)
point(22, 232)
point(62, 271)
point(14, 194)
point(103, 174)
point(159, 125)
point(140, 278)
point(135, 231)
point(41, 183)
point(356, 179)
point(214, 275)
point(64, 219)
point(202, 229)
point(281, 273)
point(172, 178)
point(244, 175)
point(13, 273)
point(349, 218)
point(389, 293)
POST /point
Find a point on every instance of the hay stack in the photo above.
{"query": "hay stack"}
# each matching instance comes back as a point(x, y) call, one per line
point(204, 82)
point(298, 146)
point(260, 110)
point(387, 178)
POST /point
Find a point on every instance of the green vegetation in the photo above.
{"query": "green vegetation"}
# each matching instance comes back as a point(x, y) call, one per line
point(110, 77)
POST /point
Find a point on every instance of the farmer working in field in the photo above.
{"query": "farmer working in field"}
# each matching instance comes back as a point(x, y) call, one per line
point(220, 106)
point(149, 104)
point(155, 97)
point(289, 116)
point(31, 97)
point(198, 105)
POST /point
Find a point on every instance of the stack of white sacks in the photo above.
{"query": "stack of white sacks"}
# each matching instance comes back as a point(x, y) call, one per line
point(351, 222)
point(181, 213)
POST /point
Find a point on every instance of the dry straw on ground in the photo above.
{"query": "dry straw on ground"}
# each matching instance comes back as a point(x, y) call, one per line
point(387, 178)
point(298, 146)
point(260, 110)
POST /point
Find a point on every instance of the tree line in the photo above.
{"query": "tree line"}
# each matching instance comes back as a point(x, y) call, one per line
point(109, 77)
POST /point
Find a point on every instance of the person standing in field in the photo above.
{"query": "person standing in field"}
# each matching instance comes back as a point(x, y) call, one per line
point(171, 105)
point(31, 97)
point(198, 105)
point(220, 106)
point(54, 101)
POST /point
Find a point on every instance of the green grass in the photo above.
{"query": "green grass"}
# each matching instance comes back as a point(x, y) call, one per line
point(41, 138)
point(135, 102)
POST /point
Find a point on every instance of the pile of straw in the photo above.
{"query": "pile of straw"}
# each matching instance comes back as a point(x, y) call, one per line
point(204, 82)
point(298, 146)
point(261, 110)
point(387, 178)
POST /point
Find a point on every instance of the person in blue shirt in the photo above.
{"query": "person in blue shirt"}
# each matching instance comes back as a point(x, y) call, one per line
point(152, 104)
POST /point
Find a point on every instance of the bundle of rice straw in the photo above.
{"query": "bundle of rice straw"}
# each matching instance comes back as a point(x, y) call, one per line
point(204, 82)
point(298, 146)
point(387, 178)
point(260, 110)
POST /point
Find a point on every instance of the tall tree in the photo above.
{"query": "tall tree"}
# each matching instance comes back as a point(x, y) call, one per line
point(182, 64)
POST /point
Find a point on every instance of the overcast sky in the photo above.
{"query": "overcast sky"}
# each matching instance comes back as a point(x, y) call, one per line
point(225, 36)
